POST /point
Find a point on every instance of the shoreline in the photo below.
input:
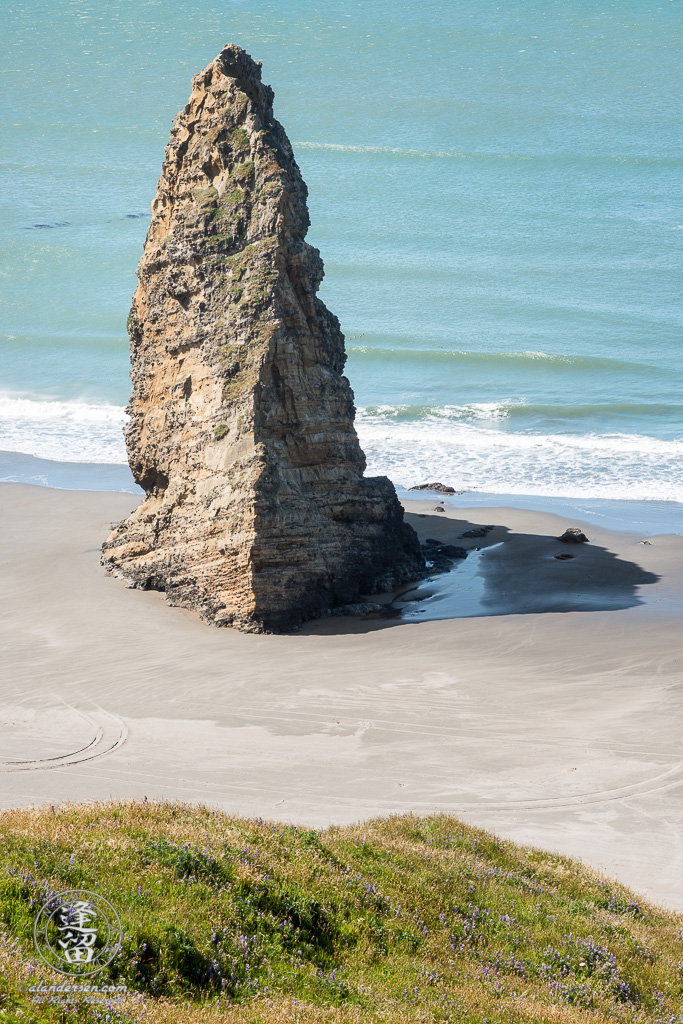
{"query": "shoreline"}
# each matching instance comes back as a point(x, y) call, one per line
point(557, 728)
point(647, 515)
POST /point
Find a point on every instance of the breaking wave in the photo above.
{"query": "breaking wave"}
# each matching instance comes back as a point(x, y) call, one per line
point(470, 447)
point(521, 410)
point(458, 447)
point(457, 154)
point(504, 360)
point(64, 431)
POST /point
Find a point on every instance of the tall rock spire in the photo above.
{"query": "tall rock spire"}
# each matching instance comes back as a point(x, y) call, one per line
point(257, 513)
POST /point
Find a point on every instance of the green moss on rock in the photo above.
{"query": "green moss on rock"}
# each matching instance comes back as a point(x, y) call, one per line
point(240, 139)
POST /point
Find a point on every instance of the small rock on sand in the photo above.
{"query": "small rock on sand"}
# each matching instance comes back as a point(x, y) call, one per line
point(440, 488)
point(573, 535)
point(478, 531)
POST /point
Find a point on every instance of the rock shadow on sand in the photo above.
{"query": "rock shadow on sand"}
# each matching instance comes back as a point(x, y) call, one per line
point(543, 576)
point(507, 573)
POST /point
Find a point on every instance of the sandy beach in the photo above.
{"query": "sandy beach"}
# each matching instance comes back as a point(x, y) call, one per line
point(548, 710)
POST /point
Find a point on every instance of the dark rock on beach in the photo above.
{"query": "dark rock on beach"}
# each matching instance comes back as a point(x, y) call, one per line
point(440, 556)
point(453, 551)
point(359, 609)
point(477, 531)
point(573, 535)
point(439, 488)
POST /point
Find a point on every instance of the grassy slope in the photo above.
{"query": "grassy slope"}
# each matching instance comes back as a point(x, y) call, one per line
point(397, 920)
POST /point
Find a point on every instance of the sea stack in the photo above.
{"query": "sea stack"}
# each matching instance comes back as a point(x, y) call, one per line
point(257, 513)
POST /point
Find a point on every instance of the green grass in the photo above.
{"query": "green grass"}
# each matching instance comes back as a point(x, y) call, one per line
point(220, 239)
point(240, 382)
point(244, 172)
point(240, 139)
point(236, 196)
point(220, 431)
point(402, 919)
point(206, 196)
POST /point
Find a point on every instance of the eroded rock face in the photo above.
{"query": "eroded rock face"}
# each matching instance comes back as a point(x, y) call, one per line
point(257, 513)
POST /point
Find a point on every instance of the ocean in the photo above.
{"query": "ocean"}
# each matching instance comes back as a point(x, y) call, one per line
point(494, 188)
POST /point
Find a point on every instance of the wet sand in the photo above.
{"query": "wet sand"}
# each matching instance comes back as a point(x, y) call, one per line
point(548, 710)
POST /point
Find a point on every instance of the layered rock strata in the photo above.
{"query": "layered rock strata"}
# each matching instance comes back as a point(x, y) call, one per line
point(241, 433)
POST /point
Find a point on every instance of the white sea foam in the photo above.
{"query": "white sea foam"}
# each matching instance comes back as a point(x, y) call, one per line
point(336, 147)
point(471, 411)
point(81, 412)
point(465, 446)
point(455, 446)
point(64, 431)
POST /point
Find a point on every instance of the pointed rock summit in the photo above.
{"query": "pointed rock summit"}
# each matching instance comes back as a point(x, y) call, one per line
point(257, 513)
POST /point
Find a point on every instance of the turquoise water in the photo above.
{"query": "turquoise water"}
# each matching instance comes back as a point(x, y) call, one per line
point(495, 190)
